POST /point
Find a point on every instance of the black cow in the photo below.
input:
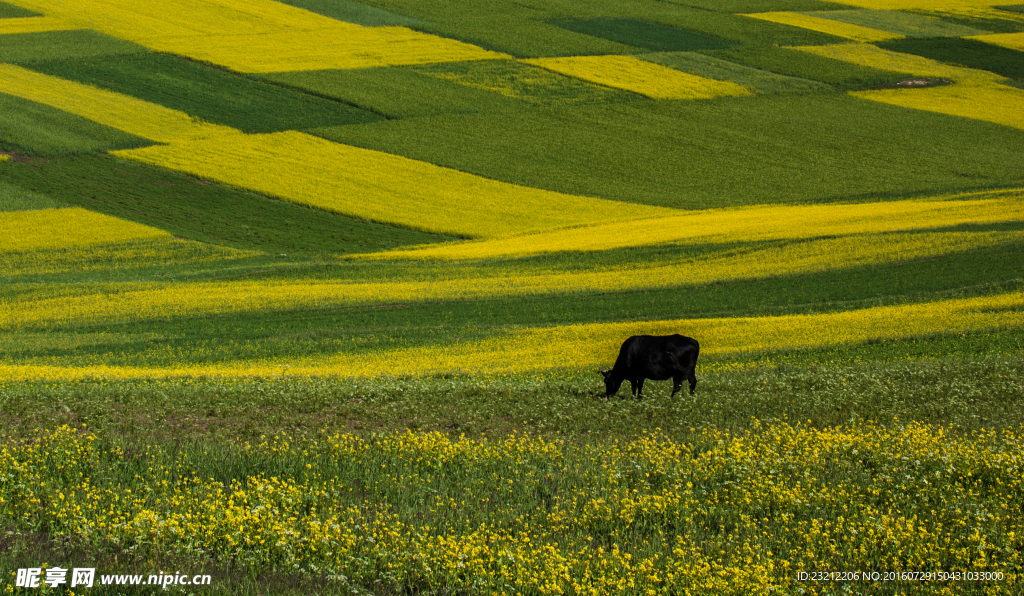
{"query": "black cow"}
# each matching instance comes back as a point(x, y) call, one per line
point(655, 357)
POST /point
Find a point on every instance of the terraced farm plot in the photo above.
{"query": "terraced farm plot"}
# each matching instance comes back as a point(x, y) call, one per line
point(639, 76)
point(206, 93)
point(205, 212)
point(645, 34)
point(791, 62)
point(397, 92)
point(1012, 41)
point(125, 113)
point(826, 25)
point(13, 198)
point(902, 23)
point(978, 94)
point(722, 70)
point(382, 187)
point(359, 13)
point(31, 128)
point(970, 53)
point(524, 82)
point(68, 228)
point(276, 37)
point(54, 45)
point(742, 225)
point(645, 152)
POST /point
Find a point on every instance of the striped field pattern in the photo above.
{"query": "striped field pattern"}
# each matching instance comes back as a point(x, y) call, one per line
point(639, 76)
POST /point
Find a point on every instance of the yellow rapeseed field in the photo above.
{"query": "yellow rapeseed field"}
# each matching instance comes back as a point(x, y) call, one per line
point(255, 35)
point(631, 517)
point(137, 301)
point(32, 25)
point(976, 93)
point(67, 257)
point(67, 229)
point(584, 345)
point(639, 76)
point(743, 224)
point(383, 187)
point(824, 25)
point(1013, 41)
point(123, 112)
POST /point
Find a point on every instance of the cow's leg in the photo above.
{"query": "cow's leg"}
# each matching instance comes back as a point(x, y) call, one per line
point(693, 379)
point(677, 382)
point(640, 388)
point(635, 387)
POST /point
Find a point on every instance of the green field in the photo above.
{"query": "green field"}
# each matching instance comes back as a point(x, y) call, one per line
point(202, 378)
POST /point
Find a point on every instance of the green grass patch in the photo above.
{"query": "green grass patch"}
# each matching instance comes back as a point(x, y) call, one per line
point(31, 128)
point(9, 11)
point(985, 23)
point(527, 30)
point(355, 12)
point(722, 70)
point(198, 210)
point(55, 45)
point(1012, 8)
point(746, 6)
point(695, 155)
point(208, 93)
point(397, 91)
point(528, 83)
point(843, 76)
point(13, 198)
point(645, 34)
point(964, 52)
point(904, 23)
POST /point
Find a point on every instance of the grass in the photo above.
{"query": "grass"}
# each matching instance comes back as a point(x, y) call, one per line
point(13, 198)
point(9, 11)
point(908, 24)
point(637, 151)
point(202, 211)
point(208, 93)
point(724, 70)
point(840, 75)
point(57, 45)
point(34, 129)
point(397, 91)
point(964, 52)
point(530, 84)
point(645, 34)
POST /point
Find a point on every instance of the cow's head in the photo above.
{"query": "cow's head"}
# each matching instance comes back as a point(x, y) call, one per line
point(611, 383)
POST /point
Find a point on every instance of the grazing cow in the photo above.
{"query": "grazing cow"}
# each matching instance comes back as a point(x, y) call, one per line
point(655, 357)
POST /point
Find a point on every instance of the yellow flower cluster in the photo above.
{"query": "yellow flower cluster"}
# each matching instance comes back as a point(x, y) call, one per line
point(255, 35)
point(724, 514)
point(65, 229)
point(383, 187)
point(976, 93)
point(569, 346)
point(824, 25)
point(744, 224)
point(639, 76)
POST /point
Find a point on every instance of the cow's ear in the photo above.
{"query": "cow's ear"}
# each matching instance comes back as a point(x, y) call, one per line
point(603, 372)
